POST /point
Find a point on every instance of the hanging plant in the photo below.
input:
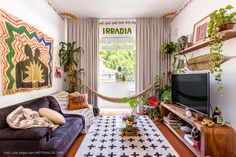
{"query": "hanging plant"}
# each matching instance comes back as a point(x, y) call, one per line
point(69, 59)
point(169, 48)
point(220, 20)
point(172, 48)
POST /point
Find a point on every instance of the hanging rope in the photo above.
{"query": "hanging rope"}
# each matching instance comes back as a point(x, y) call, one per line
point(118, 100)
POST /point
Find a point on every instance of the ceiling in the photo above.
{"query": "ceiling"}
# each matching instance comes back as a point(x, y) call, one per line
point(117, 8)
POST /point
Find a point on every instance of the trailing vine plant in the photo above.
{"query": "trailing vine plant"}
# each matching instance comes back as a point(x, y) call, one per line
point(218, 20)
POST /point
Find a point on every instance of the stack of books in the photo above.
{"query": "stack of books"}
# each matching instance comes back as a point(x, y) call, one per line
point(172, 121)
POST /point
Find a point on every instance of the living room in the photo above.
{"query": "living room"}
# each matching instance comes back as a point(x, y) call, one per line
point(117, 78)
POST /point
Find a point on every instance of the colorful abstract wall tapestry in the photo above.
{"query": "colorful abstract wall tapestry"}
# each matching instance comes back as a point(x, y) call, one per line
point(27, 55)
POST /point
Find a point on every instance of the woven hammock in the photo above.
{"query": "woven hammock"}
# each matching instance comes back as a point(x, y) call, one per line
point(118, 100)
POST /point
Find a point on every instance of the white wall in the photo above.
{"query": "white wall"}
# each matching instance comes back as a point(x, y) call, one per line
point(38, 14)
point(183, 25)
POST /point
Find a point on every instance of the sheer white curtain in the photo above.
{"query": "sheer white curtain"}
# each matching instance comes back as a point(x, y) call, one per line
point(151, 33)
point(85, 32)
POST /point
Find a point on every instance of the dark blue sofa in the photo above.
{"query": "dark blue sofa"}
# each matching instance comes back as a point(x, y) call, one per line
point(38, 142)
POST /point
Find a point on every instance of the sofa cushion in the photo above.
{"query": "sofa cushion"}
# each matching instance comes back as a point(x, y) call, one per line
point(52, 115)
point(25, 134)
point(53, 104)
point(77, 101)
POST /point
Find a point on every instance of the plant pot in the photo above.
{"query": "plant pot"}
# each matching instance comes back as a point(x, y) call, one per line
point(228, 26)
point(124, 78)
point(156, 119)
point(150, 115)
point(169, 52)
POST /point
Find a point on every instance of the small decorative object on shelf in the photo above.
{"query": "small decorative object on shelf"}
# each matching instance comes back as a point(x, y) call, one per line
point(171, 116)
point(196, 136)
point(188, 113)
point(183, 41)
point(207, 122)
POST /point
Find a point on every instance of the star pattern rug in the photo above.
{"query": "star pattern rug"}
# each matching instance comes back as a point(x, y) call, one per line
point(104, 140)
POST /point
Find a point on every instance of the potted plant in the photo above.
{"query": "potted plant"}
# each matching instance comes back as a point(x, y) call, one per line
point(133, 102)
point(169, 48)
point(219, 20)
point(166, 96)
point(157, 114)
point(218, 118)
point(216, 114)
point(69, 58)
point(150, 113)
point(222, 19)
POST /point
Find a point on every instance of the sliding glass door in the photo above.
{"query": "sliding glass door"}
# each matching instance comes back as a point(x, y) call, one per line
point(117, 59)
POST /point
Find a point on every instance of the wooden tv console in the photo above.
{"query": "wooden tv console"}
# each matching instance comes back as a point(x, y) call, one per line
point(218, 141)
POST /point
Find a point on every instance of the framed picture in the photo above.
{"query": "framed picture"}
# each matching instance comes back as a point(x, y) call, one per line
point(200, 30)
point(58, 72)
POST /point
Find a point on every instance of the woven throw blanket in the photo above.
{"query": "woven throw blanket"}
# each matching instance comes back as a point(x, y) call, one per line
point(87, 113)
point(24, 118)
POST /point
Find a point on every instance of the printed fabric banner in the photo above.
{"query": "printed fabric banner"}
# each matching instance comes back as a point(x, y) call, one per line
point(26, 54)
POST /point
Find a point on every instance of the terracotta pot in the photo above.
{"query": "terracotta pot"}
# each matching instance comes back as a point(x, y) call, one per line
point(156, 118)
point(150, 115)
point(124, 78)
point(228, 26)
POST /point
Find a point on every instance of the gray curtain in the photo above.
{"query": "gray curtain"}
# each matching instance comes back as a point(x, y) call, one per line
point(151, 33)
point(86, 34)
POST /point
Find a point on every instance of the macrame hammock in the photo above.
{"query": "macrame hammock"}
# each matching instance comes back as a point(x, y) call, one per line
point(118, 100)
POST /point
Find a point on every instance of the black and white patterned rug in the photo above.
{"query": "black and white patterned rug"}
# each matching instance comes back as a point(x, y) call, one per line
point(104, 140)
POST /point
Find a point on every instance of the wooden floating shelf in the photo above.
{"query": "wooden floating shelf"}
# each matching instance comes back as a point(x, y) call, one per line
point(229, 34)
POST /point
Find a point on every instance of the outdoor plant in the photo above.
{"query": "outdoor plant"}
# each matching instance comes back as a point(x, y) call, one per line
point(218, 20)
point(122, 61)
point(69, 58)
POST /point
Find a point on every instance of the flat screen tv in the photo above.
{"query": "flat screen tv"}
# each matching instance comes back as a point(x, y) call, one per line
point(192, 91)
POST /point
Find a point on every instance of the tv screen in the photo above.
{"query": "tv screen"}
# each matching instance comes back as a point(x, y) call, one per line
point(192, 91)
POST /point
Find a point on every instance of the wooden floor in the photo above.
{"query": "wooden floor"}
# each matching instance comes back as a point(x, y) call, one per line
point(180, 148)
